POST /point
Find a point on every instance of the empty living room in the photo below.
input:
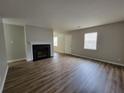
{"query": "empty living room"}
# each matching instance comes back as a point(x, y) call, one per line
point(61, 46)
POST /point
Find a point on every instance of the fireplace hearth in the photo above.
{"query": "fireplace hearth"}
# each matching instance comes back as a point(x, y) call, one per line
point(41, 51)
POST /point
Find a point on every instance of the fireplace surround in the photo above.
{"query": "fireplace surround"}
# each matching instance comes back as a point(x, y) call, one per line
point(41, 51)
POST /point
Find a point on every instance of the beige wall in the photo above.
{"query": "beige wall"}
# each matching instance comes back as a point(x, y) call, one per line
point(110, 42)
point(15, 42)
point(61, 42)
point(3, 59)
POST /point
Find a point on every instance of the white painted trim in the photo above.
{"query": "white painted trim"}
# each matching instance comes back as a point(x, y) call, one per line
point(15, 60)
point(28, 60)
point(101, 60)
point(33, 43)
point(59, 51)
point(2, 85)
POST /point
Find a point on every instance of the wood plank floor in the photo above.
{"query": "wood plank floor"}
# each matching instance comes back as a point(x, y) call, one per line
point(64, 74)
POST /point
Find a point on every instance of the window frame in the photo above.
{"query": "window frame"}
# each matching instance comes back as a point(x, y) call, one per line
point(96, 41)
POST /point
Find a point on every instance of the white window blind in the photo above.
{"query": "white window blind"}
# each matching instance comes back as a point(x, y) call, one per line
point(90, 41)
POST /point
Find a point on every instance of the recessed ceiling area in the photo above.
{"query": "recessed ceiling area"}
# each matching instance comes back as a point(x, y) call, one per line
point(62, 15)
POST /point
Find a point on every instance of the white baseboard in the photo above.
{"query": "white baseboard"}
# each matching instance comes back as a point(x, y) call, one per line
point(60, 51)
point(28, 60)
point(2, 85)
point(101, 60)
point(15, 60)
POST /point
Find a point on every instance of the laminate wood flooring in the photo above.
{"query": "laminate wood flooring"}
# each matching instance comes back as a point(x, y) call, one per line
point(64, 74)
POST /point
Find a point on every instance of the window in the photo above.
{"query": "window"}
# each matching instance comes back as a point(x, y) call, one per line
point(55, 41)
point(90, 41)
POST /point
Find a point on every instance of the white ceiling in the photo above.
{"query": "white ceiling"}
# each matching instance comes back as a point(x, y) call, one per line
point(63, 15)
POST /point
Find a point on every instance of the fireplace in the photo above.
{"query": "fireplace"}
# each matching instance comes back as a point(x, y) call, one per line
point(41, 51)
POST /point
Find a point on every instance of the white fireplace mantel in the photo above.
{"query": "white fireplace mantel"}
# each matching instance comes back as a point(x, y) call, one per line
point(30, 52)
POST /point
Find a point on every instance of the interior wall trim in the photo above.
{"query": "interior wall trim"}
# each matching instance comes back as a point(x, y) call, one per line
point(3, 82)
point(59, 51)
point(15, 60)
point(101, 60)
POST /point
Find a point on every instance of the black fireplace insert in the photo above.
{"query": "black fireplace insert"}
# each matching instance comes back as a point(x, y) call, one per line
point(41, 51)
